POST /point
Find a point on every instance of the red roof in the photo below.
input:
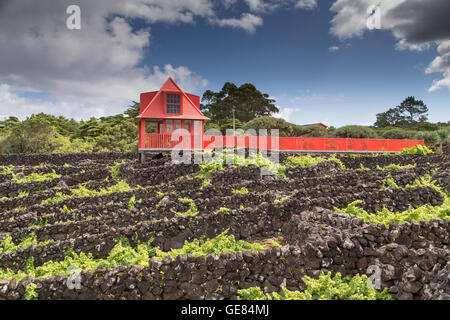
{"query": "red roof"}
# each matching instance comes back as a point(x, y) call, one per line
point(316, 124)
point(153, 104)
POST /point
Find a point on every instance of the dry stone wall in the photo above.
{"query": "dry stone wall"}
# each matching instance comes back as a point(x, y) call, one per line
point(410, 259)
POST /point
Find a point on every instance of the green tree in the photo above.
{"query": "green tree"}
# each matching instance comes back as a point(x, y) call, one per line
point(409, 112)
point(116, 134)
point(248, 103)
point(33, 135)
point(9, 123)
point(414, 109)
point(228, 124)
point(133, 110)
point(88, 129)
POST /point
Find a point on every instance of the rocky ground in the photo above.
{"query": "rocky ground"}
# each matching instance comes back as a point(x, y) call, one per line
point(116, 197)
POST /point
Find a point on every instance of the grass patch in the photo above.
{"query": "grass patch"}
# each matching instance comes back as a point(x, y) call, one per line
point(115, 169)
point(193, 210)
point(394, 166)
point(123, 255)
point(423, 213)
point(389, 183)
point(323, 288)
point(242, 190)
point(308, 161)
point(224, 210)
point(30, 292)
point(282, 200)
point(7, 245)
point(36, 177)
point(422, 150)
point(254, 160)
point(82, 191)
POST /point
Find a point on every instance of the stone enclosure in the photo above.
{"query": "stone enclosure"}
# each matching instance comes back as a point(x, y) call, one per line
point(411, 259)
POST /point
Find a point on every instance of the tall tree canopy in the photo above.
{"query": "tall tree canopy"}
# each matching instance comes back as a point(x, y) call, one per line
point(249, 103)
point(410, 111)
point(133, 110)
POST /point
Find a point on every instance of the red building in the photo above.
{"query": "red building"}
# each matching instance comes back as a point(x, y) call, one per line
point(164, 111)
point(316, 124)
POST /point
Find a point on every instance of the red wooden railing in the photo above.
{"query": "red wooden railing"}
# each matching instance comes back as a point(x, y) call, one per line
point(158, 141)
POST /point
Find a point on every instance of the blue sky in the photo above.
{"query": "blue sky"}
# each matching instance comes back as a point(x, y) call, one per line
point(288, 58)
point(285, 54)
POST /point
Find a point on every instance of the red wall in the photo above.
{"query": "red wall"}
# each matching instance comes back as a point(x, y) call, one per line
point(195, 100)
point(316, 144)
point(146, 98)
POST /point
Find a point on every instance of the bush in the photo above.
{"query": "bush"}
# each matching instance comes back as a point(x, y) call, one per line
point(424, 126)
point(443, 135)
point(30, 136)
point(324, 288)
point(422, 213)
point(399, 134)
point(422, 150)
point(309, 131)
point(308, 161)
point(64, 145)
point(211, 125)
point(356, 132)
point(286, 128)
point(431, 138)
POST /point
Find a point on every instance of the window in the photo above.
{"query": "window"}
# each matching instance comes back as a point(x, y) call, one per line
point(173, 103)
point(177, 124)
point(151, 127)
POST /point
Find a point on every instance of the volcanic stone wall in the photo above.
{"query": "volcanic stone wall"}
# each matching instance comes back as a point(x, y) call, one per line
point(409, 273)
point(61, 159)
point(411, 259)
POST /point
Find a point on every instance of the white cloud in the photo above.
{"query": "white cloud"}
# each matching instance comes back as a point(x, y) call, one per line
point(285, 113)
point(93, 71)
point(14, 105)
point(416, 24)
point(441, 64)
point(97, 70)
point(228, 3)
point(256, 5)
point(306, 4)
point(264, 6)
point(333, 49)
point(247, 21)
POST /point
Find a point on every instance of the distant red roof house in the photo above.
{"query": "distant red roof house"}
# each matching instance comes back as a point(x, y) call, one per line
point(316, 124)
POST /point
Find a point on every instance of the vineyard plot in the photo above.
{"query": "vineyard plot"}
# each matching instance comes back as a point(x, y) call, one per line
point(103, 226)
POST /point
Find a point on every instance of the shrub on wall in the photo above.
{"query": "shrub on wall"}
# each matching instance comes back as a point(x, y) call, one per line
point(286, 129)
point(356, 132)
point(399, 134)
point(430, 138)
point(310, 131)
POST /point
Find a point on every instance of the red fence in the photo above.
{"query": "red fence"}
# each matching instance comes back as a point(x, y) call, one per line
point(155, 141)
